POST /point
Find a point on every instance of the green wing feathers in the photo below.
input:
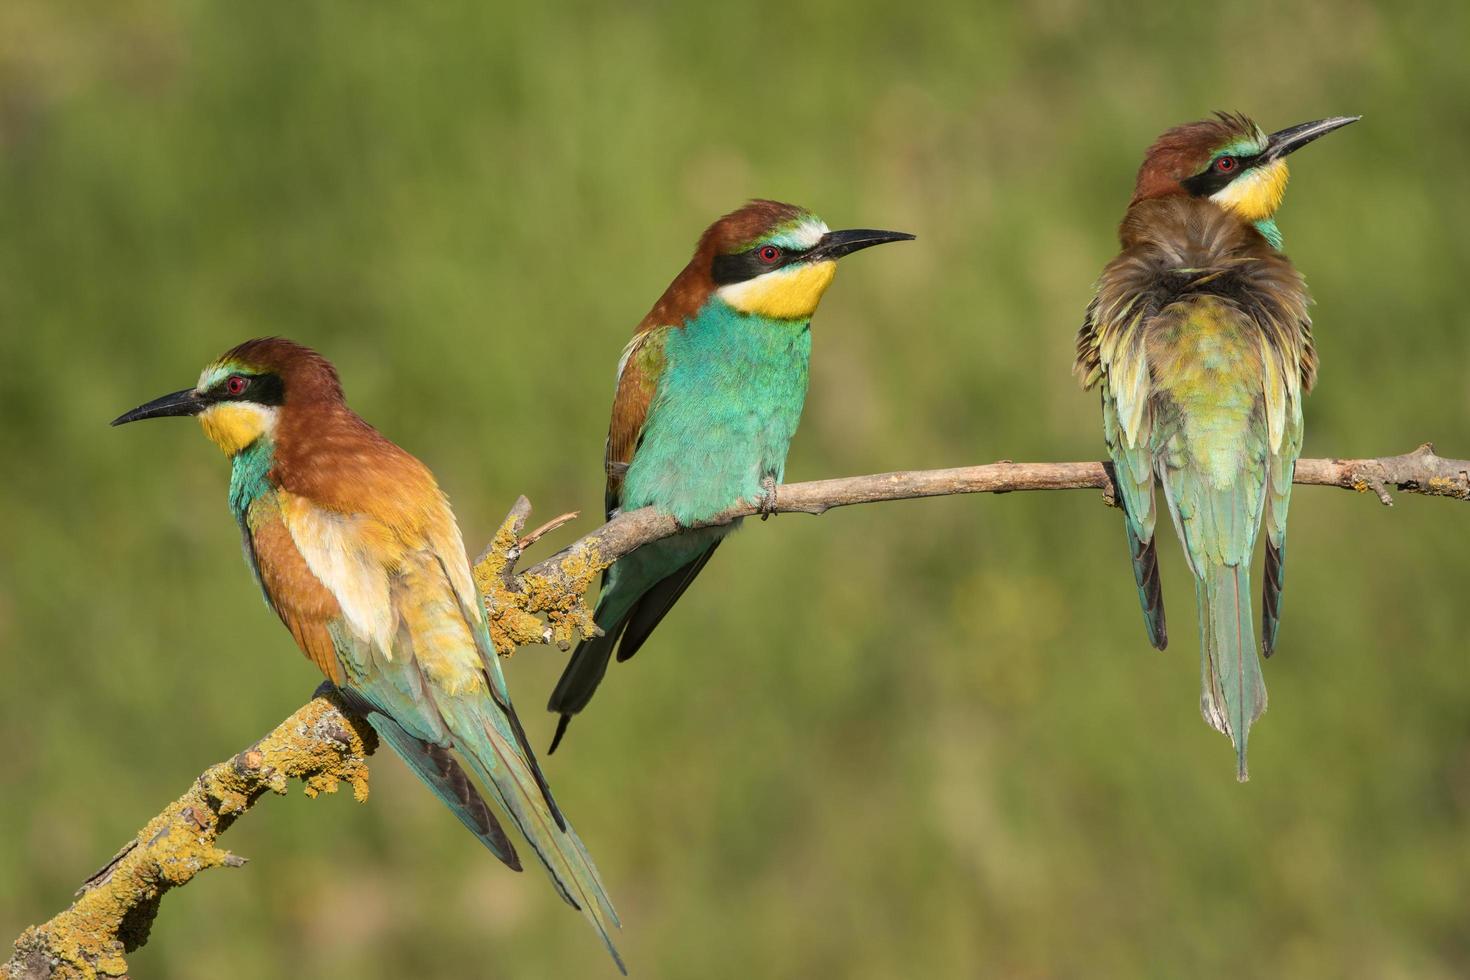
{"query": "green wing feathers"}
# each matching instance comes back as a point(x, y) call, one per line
point(434, 685)
point(1281, 467)
point(1111, 348)
point(1203, 366)
point(486, 730)
point(1145, 557)
point(486, 736)
point(441, 772)
point(1134, 475)
point(637, 593)
point(1215, 426)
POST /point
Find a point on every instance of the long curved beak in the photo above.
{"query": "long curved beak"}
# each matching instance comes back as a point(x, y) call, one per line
point(836, 244)
point(185, 402)
point(1293, 138)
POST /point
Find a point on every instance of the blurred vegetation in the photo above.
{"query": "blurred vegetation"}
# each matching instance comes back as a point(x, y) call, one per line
point(921, 739)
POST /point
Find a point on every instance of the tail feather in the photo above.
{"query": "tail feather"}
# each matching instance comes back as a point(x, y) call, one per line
point(584, 672)
point(1145, 557)
point(637, 593)
point(491, 746)
point(442, 774)
point(525, 744)
point(1233, 692)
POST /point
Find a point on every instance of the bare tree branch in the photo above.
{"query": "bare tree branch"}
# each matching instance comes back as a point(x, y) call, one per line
point(553, 587)
point(322, 744)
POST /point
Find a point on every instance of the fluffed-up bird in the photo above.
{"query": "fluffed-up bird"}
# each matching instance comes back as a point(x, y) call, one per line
point(708, 396)
point(1200, 338)
point(357, 551)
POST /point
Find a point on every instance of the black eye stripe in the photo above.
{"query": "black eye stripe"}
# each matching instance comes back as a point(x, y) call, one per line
point(729, 269)
point(1211, 180)
point(263, 389)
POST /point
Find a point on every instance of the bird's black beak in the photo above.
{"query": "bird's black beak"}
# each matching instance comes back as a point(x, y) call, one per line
point(185, 402)
point(836, 244)
point(1293, 138)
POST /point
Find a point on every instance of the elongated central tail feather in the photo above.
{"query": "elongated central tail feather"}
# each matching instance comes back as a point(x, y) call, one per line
point(490, 745)
point(1233, 692)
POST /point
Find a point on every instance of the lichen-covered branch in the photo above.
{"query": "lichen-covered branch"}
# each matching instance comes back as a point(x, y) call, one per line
point(322, 744)
point(555, 587)
point(515, 602)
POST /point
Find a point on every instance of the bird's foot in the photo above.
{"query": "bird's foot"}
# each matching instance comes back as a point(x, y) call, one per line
point(768, 497)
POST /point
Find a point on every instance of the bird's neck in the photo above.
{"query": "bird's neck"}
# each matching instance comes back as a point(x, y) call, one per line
point(723, 335)
point(1193, 232)
point(249, 480)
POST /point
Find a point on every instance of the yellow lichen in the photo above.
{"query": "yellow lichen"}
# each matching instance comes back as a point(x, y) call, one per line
point(563, 600)
point(490, 569)
point(1445, 486)
point(319, 744)
point(516, 607)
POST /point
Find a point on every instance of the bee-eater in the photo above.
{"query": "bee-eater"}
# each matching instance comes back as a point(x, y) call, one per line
point(1200, 336)
point(357, 551)
point(709, 393)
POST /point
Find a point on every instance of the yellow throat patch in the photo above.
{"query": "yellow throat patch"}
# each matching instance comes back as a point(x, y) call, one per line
point(232, 426)
point(1255, 195)
point(788, 294)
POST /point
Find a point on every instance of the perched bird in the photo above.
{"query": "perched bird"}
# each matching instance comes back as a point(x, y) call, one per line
point(1200, 336)
point(709, 394)
point(357, 551)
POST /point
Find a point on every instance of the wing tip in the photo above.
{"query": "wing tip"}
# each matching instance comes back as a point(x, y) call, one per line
point(1268, 638)
point(1145, 557)
point(561, 730)
point(1271, 588)
point(511, 860)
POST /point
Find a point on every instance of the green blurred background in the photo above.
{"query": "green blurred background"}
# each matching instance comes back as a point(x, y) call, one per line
point(920, 739)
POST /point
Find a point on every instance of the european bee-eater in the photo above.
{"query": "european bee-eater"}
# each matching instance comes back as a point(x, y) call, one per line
point(357, 551)
point(709, 393)
point(1200, 336)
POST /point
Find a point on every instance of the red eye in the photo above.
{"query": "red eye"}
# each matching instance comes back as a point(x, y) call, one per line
point(769, 254)
point(236, 385)
point(1225, 165)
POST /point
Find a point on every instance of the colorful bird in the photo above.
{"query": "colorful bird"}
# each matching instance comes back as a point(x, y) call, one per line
point(1200, 336)
point(357, 551)
point(709, 394)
